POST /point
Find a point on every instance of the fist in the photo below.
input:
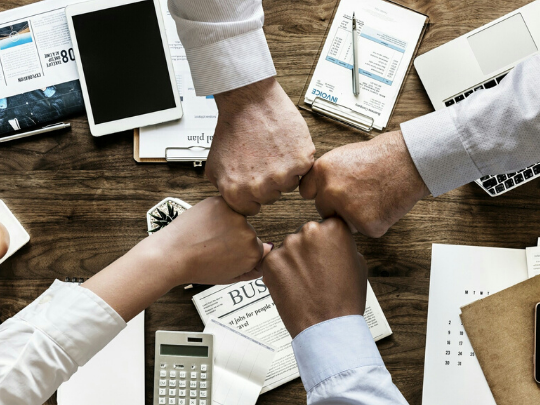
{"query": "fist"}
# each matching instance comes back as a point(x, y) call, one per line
point(261, 146)
point(209, 244)
point(371, 185)
point(316, 275)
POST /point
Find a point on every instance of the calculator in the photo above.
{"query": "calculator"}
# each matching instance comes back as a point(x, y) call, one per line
point(183, 368)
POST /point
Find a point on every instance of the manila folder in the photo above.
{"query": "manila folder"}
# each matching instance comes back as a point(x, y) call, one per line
point(501, 330)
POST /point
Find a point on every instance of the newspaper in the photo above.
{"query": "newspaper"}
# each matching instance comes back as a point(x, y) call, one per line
point(38, 74)
point(249, 307)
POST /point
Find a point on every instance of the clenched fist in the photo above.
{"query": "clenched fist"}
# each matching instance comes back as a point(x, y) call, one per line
point(261, 146)
point(371, 185)
point(316, 275)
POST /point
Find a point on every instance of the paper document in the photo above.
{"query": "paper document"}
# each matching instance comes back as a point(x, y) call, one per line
point(248, 307)
point(387, 37)
point(459, 276)
point(35, 48)
point(241, 365)
point(114, 376)
point(39, 83)
point(533, 261)
point(196, 128)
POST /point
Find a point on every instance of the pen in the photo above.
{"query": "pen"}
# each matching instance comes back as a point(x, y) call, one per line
point(49, 128)
point(355, 73)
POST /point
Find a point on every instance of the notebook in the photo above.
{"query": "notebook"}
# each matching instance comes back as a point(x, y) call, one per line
point(501, 330)
point(114, 376)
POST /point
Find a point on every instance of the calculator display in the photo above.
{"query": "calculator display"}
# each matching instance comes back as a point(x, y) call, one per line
point(186, 351)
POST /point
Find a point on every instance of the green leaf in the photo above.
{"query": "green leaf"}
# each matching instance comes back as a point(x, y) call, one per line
point(162, 214)
point(155, 217)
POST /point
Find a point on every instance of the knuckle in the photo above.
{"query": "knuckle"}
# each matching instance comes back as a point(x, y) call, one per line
point(290, 240)
point(311, 228)
point(375, 229)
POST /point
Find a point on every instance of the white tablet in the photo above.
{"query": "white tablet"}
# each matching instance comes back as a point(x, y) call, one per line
point(124, 64)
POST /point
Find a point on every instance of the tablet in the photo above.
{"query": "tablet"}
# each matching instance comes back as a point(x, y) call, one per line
point(124, 64)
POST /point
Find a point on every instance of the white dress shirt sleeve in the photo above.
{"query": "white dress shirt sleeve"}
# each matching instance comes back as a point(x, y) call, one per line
point(44, 344)
point(493, 131)
point(224, 41)
point(339, 363)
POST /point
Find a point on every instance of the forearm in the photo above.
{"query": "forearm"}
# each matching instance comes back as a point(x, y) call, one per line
point(136, 280)
point(493, 131)
point(224, 41)
point(340, 364)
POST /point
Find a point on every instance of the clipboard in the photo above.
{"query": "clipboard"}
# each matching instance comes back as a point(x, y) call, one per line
point(340, 113)
point(170, 156)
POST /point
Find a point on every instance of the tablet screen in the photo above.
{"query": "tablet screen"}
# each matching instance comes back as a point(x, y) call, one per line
point(124, 62)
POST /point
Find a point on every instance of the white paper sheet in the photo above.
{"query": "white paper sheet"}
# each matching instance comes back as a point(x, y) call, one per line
point(459, 276)
point(114, 376)
point(387, 38)
point(240, 367)
point(533, 261)
point(197, 126)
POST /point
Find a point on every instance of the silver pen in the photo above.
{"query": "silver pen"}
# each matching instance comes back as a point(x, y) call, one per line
point(49, 128)
point(355, 72)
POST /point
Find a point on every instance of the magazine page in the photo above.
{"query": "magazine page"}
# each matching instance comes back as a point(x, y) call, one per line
point(38, 74)
point(35, 48)
point(249, 307)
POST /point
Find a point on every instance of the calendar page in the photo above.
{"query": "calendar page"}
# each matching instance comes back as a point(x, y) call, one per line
point(459, 276)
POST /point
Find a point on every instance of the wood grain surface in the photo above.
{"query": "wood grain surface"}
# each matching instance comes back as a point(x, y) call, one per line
point(83, 200)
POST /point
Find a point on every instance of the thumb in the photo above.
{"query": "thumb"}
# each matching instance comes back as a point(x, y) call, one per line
point(308, 185)
point(264, 248)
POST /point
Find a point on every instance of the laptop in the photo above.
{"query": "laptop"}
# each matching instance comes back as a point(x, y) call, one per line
point(480, 60)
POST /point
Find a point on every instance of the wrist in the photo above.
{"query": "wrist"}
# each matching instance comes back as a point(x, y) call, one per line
point(154, 254)
point(416, 184)
point(252, 95)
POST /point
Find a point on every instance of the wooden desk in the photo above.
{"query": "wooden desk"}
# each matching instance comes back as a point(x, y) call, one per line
point(83, 200)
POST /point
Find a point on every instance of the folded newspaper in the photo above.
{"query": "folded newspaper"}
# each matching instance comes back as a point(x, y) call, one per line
point(249, 307)
point(39, 83)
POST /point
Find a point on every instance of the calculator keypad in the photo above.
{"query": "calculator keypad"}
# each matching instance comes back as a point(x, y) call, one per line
point(195, 380)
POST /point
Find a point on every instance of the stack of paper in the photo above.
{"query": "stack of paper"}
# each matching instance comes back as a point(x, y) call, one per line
point(461, 275)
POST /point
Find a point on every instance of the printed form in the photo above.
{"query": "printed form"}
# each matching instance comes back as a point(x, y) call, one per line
point(387, 37)
point(196, 128)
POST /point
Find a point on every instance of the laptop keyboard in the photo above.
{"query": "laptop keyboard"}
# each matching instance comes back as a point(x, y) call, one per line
point(501, 183)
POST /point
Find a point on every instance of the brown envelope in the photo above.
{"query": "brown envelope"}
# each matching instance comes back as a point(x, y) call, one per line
point(501, 330)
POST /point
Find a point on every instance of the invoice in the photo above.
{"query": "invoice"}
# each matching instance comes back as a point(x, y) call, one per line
point(388, 35)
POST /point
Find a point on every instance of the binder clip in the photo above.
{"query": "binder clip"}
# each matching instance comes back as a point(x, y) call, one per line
point(342, 114)
point(197, 161)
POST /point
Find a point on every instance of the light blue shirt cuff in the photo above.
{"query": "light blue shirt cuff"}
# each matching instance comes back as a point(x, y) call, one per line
point(332, 347)
point(436, 147)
